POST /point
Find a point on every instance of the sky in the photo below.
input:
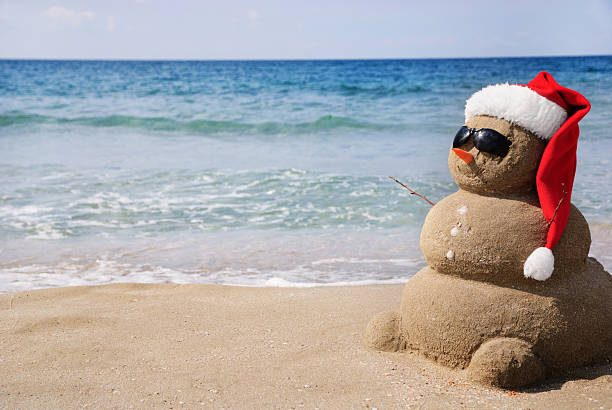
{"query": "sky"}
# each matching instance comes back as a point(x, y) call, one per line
point(312, 29)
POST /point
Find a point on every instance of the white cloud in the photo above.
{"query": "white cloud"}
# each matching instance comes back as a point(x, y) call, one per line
point(64, 16)
point(253, 15)
point(111, 24)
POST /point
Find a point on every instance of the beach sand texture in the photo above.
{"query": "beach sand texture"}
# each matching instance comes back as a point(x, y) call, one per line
point(173, 346)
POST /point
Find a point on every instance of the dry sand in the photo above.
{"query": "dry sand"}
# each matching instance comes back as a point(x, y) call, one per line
point(193, 346)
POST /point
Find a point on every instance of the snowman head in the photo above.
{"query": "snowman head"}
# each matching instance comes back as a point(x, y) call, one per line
point(495, 156)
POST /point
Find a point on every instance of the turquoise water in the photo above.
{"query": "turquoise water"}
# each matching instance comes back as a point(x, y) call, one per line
point(249, 172)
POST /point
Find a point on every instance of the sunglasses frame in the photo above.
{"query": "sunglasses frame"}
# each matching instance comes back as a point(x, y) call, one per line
point(485, 140)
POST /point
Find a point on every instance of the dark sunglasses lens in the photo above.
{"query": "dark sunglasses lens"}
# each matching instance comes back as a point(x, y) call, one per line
point(491, 141)
point(462, 136)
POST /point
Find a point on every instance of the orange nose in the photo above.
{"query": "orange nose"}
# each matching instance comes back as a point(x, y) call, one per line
point(464, 155)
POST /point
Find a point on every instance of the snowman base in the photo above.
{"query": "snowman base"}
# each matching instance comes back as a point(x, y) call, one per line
point(505, 336)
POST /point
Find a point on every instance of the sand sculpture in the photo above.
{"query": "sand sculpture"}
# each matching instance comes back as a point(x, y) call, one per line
point(510, 294)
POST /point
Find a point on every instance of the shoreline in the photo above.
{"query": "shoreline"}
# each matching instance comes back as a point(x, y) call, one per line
point(123, 345)
point(100, 266)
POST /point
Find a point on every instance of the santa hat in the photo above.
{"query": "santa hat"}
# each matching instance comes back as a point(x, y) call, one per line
point(551, 112)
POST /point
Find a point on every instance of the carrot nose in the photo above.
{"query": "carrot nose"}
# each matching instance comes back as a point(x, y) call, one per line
point(464, 155)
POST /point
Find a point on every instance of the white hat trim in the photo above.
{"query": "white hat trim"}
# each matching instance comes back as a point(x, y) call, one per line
point(540, 264)
point(519, 105)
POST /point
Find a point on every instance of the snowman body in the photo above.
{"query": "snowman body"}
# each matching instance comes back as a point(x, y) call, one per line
point(488, 237)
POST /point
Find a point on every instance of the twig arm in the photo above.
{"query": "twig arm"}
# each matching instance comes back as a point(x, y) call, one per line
point(558, 205)
point(414, 192)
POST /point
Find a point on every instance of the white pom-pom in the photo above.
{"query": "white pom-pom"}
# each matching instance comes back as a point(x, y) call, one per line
point(540, 264)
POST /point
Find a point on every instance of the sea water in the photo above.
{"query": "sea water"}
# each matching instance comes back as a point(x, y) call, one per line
point(262, 173)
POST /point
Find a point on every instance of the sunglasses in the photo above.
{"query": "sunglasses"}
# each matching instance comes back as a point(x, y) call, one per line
point(485, 139)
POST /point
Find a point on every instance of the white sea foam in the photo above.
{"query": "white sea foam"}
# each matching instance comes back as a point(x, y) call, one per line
point(398, 262)
point(46, 232)
point(57, 175)
point(23, 211)
point(244, 259)
point(282, 283)
point(105, 271)
point(369, 192)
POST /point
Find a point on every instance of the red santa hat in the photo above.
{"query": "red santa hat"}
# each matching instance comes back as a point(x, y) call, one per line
point(551, 112)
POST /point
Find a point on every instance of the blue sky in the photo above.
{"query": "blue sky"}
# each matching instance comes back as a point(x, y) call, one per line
point(190, 29)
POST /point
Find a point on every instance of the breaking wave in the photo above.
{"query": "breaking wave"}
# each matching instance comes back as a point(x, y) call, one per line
point(323, 123)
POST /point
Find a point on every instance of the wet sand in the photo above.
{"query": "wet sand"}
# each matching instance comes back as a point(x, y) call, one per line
point(194, 346)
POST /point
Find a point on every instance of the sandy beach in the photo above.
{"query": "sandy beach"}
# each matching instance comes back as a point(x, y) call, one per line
point(172, 346)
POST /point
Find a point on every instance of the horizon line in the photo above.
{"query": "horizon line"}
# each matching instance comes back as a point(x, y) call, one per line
point(298, 59)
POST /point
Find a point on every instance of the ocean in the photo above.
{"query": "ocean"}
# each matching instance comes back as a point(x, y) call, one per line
point(257, 173)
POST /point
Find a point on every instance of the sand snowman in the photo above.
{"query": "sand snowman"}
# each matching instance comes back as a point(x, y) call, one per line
point(510, 294)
